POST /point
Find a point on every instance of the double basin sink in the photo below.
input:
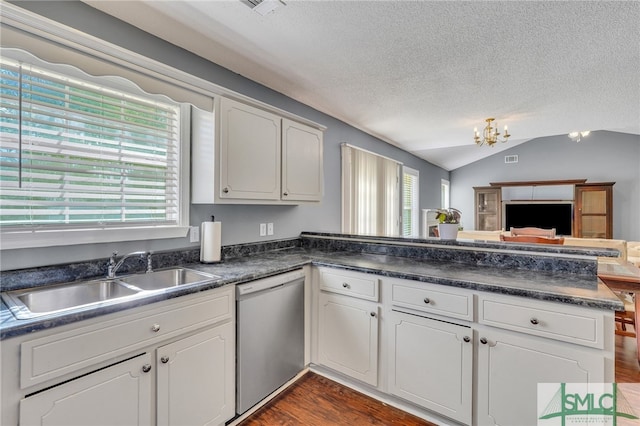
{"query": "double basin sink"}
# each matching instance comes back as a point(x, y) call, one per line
point(35, 302)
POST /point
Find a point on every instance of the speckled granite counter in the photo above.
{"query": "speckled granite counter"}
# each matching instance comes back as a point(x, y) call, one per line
point(551, 285)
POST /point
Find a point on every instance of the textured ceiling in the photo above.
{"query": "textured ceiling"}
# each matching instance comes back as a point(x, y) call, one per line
point(422, 74)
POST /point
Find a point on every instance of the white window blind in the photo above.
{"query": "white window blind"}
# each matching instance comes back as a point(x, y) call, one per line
point(370, 193)
point(410, 202)
point(77, 153)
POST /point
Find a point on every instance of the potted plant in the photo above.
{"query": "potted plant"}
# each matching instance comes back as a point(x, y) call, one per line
point(448, 223)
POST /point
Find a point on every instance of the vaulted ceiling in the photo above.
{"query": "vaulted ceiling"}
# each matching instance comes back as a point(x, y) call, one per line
point(422, 74)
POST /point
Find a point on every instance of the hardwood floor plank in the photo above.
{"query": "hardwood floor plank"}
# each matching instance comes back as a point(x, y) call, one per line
point(315, 400)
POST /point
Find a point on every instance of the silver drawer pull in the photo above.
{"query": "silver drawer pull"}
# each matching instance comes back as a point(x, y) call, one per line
point(146, 368)
point(373, 314)
point(466, 339)
point(483, 341)
point(155, 328)
point(534, 321)
point(427, 300)
point(346, 285)
point(164, 359)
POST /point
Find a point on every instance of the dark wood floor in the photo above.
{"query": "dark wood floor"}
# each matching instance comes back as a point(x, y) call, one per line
point(317, 401)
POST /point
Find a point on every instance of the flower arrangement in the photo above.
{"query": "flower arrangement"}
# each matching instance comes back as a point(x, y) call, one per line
point(449, 215)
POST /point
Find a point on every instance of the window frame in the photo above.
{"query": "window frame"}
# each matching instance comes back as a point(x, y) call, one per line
point(415, 202)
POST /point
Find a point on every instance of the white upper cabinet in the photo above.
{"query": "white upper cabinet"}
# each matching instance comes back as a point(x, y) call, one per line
point(301, 162)
point(247, 155)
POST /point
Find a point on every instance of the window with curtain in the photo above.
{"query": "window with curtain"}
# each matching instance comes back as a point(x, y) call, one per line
point(77, 153)
point(370, 193)
point(410, 203)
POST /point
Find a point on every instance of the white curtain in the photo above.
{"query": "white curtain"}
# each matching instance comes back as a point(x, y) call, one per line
point(370, 193)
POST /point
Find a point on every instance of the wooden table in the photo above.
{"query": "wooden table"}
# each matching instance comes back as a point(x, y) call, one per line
point(623, 276)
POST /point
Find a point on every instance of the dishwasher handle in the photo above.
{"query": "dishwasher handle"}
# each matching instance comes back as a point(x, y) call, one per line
point(270, 282)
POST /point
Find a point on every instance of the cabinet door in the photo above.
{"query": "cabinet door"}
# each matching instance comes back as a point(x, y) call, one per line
point(250, 149)
point(348, 336)
point(510, 366)
point(431, 364)
point(593, 214)
point(301, 162)
point(117, 395)
point(488, 202)
point(196, 378)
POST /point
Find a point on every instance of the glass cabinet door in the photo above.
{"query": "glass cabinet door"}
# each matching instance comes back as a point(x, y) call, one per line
point(488, 206)
point(593, 217)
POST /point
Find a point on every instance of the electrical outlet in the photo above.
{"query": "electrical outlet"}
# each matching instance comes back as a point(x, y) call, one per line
point(269, 228)
point(263, 229)
point(194, 234)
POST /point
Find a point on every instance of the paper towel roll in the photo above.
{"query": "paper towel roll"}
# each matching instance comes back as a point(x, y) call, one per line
point(210, 242)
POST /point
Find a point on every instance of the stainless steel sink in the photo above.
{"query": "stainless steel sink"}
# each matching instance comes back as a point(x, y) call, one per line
point(167, 278)
point(30, 303)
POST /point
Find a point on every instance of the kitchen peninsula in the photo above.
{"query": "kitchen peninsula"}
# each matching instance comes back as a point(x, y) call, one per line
point(483, 302)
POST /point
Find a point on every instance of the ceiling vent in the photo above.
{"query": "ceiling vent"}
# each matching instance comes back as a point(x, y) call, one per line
point(510, 159)
point(263, 7)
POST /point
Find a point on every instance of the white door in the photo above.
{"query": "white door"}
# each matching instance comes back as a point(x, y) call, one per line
point(348, 336)
point(301, 162)
point(510, 366)
point(196, 379)
point(119, 395)
point(431, 364)
point(250, 152)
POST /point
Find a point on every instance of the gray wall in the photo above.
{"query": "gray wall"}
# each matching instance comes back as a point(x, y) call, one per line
point(601, 157)
point(240, 224)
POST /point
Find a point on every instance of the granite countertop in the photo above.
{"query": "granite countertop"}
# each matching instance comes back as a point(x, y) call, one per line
point(574, 289)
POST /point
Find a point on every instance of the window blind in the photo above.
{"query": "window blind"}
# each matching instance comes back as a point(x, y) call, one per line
point(410, 224)
point(370, 193)
point(73, 152)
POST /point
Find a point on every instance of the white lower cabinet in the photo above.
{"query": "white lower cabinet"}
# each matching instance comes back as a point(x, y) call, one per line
point(117, 395)
point(431, 364)
point(511, 365)
point(348, 336)
point(195, 380)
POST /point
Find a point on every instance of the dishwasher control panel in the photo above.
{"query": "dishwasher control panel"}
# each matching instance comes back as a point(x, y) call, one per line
point(269, 282)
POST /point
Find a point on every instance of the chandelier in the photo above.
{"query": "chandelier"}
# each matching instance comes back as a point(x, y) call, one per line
point(490, 134)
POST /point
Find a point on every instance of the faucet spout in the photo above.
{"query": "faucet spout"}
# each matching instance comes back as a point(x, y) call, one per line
point(112, 266)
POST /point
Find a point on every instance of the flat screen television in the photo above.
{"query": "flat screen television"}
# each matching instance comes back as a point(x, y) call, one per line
point(540, 215)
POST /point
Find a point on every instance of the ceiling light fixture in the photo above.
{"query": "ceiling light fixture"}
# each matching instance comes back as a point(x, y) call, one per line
point(490, 134)
point(577, 136)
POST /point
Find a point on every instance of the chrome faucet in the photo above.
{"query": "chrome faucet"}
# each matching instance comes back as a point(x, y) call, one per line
point(112, 266)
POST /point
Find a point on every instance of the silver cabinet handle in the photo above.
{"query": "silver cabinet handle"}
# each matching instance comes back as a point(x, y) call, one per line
point(155, 328)
point(483, 341)
point(534, 321)
point(164, 359)
point(426, 300)
point(466, 339)
point(373, 314)
point(225, 190)
point(286, 194)
point(346, 285)
point(146, 368)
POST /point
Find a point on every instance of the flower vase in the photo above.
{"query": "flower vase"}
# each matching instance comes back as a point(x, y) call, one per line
point(448, 231)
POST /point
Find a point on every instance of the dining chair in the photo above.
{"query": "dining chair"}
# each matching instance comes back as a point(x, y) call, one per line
point(531, 239)
point(530, 230)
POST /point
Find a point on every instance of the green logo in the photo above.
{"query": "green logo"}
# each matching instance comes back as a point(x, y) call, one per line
point(585, 403)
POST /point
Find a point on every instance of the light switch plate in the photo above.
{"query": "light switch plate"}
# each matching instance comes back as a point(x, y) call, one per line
point(194, 234)
point(269, 228)
point(263, 229)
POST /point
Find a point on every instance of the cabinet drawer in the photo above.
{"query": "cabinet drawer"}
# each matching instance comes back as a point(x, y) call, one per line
point(434, 299)
point(552, 320)
point(61, 353)
point(354, 284)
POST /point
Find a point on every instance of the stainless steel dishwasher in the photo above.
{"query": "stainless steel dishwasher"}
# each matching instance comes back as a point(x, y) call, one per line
point(270, 336)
